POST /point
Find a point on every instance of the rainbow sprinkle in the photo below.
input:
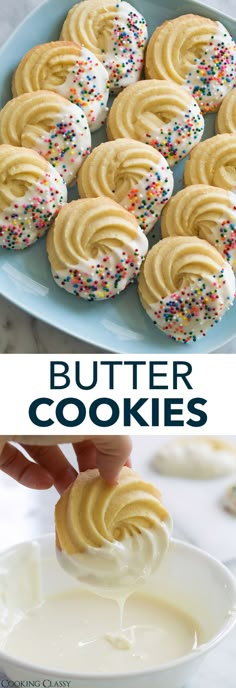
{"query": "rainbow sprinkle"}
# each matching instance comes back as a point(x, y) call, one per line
point(64, 147)
point(215, 73)
point(226, 243)
point(147, 199)
point(175, 140)
point(187, 314)
point(27, 219)
point(85, 89)
point(127, 41)
point(99, 281)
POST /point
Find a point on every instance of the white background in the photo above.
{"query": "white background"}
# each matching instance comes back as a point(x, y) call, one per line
point(25, 378)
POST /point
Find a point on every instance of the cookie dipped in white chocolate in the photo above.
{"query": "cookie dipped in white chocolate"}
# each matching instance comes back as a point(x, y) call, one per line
point(213, 75)
point(31, 195)
point(51, 125)
point(197, 53)
point(185, 286)
point(87, 85)
point(135, 175)
point(208, 212)
point(115, 32)
point(159, 113)
point(111, 537)
point(70, 70)
point(95, 248)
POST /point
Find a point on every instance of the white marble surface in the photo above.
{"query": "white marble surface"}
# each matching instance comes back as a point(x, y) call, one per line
point(19, 332)
point(26, 514)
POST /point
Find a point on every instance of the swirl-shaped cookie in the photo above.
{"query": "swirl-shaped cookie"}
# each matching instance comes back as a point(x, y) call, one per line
point(185, 287)
point(204, 211)
point(51, 125)
point(111, 534)
point(31, 194)
point(194, 52)
point(70, 70)
point(159, 113)
point(226, 117)
point(115, 32)
point(133, 174)
point(213, 162)
point(95, 248)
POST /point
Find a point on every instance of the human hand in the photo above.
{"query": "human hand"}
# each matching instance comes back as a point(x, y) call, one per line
point(50, 467)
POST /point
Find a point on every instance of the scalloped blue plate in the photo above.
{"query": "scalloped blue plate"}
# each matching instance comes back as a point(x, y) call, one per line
point(120, 324)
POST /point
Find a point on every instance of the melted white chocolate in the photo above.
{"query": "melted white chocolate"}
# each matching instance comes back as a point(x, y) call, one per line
point(77, 632)
point(116, 568)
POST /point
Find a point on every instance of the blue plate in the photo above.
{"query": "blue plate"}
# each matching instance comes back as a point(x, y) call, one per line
point(120, 324)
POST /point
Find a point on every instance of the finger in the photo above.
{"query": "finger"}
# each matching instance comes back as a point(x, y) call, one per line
point(55, 463)
point(112, 452)
point(41, 440)
point(86, 454)
point(18, 467)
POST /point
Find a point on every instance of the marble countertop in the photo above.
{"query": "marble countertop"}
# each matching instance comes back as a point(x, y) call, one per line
point(19, 332)
point(33, 513)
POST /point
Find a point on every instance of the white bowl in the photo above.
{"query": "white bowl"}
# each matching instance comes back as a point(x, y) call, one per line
point(188, 578)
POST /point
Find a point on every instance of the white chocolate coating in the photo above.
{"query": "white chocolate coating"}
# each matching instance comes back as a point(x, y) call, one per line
point(115, 32)
point(28, 207)
point(86, 85)
point(214, 74)
point(185, 287)
point(177, 138)
point(117, 568)
point(122, 537)
point(95, 248)
point(160, 113)
point(52, 126)
point(68, 143)
point(98, 281)
point(171, 315)
point(134, 174)
point(125, 49)
point(147, 199)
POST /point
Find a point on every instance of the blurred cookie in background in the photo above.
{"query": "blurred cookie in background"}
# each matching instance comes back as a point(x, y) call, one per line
point(196, 457)
point(229, 500)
